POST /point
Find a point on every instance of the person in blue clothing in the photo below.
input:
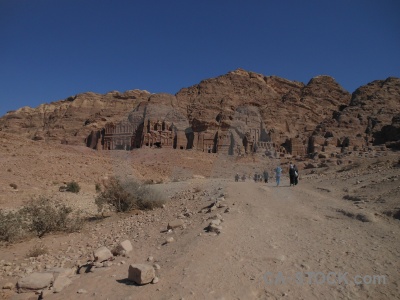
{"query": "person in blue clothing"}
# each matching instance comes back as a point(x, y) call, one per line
point(278, 173)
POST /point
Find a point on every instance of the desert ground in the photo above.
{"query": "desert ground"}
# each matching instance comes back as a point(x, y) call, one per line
point(333, 236)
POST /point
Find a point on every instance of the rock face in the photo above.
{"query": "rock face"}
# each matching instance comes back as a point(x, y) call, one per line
point(242, 100)
point(371, 118)
point(235, 113)
point(71, 120)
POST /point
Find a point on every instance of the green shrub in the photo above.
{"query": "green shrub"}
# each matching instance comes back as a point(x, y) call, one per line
point(73, 187)
point(45, 216)
point(13, 226)
point(123, 196)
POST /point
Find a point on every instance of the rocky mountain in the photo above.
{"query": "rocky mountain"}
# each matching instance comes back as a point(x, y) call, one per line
point(372, 117)
point(295, 117)
point(71, 120)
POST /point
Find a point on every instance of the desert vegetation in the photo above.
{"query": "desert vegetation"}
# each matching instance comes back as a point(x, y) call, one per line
point(125, 195)
point(37, 218)
point(73, 187)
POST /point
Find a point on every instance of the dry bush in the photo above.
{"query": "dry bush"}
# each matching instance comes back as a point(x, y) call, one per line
point(149, 198)
point(37, 250)
point(98, 187)
point(196, 189)
point(45, 216)
point(123, 196)
point(13, 226)
point(73, 187)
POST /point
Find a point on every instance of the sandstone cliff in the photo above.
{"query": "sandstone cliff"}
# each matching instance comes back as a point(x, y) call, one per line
point(310, 117)
point(371, 118)
point(71, 120)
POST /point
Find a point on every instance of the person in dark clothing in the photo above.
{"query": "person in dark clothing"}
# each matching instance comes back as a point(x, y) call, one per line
point(296, 175)
point(292, 174)
point(266, 176)
point(237, 177)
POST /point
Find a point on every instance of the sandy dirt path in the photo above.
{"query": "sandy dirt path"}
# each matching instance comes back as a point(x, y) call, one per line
point(290, 232)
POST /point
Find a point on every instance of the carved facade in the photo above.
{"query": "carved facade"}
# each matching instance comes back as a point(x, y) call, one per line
point(121, 136)
point(128, 135)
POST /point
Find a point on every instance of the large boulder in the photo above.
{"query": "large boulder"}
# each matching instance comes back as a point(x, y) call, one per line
point(34, 282)
point(141, 273)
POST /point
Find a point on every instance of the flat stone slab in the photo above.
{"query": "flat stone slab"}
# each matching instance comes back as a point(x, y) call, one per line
point(35, 281)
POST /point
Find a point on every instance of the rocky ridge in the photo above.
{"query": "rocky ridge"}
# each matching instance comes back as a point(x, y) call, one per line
point(319, 115)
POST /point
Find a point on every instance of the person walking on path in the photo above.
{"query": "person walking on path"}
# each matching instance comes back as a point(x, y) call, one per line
point(237, 177)
point(266, 176)
point(278, 173)
point(255, 177)
point(296, 175)
point(292, 174)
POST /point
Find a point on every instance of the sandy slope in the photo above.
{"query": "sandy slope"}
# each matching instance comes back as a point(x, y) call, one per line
point(284, 230)
point(292, 230)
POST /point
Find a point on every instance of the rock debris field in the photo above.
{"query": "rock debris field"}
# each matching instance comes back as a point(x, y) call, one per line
point(333, 236)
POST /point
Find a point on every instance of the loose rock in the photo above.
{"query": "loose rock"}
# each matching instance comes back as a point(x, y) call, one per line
point(35, 281)
point(102, 254)
point(141, 273)
point(175, 224)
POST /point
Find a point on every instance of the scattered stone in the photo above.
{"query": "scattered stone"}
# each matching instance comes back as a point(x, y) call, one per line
point(150, 258)
point(107, 264)
point(8, 286)
point(170, 239)
point(102, 254)
point(155, 280)
point(156, 267)
point(35, 281)
point(82, 291)
point(214, 228)
point(141, 273)
point(216, 222)
point(175, 224)
point(123, 248)
point(212, 208)
point(60, 283)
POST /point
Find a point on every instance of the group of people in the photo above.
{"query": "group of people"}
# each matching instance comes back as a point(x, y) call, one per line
point(259, 177)
point(264, 176)
point(293, 174)
point(238, 177)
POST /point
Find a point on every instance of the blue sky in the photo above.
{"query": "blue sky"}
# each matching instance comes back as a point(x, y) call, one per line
point(50, 50)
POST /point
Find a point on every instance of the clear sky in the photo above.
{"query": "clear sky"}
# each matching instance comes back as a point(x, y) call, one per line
point(53, 49)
